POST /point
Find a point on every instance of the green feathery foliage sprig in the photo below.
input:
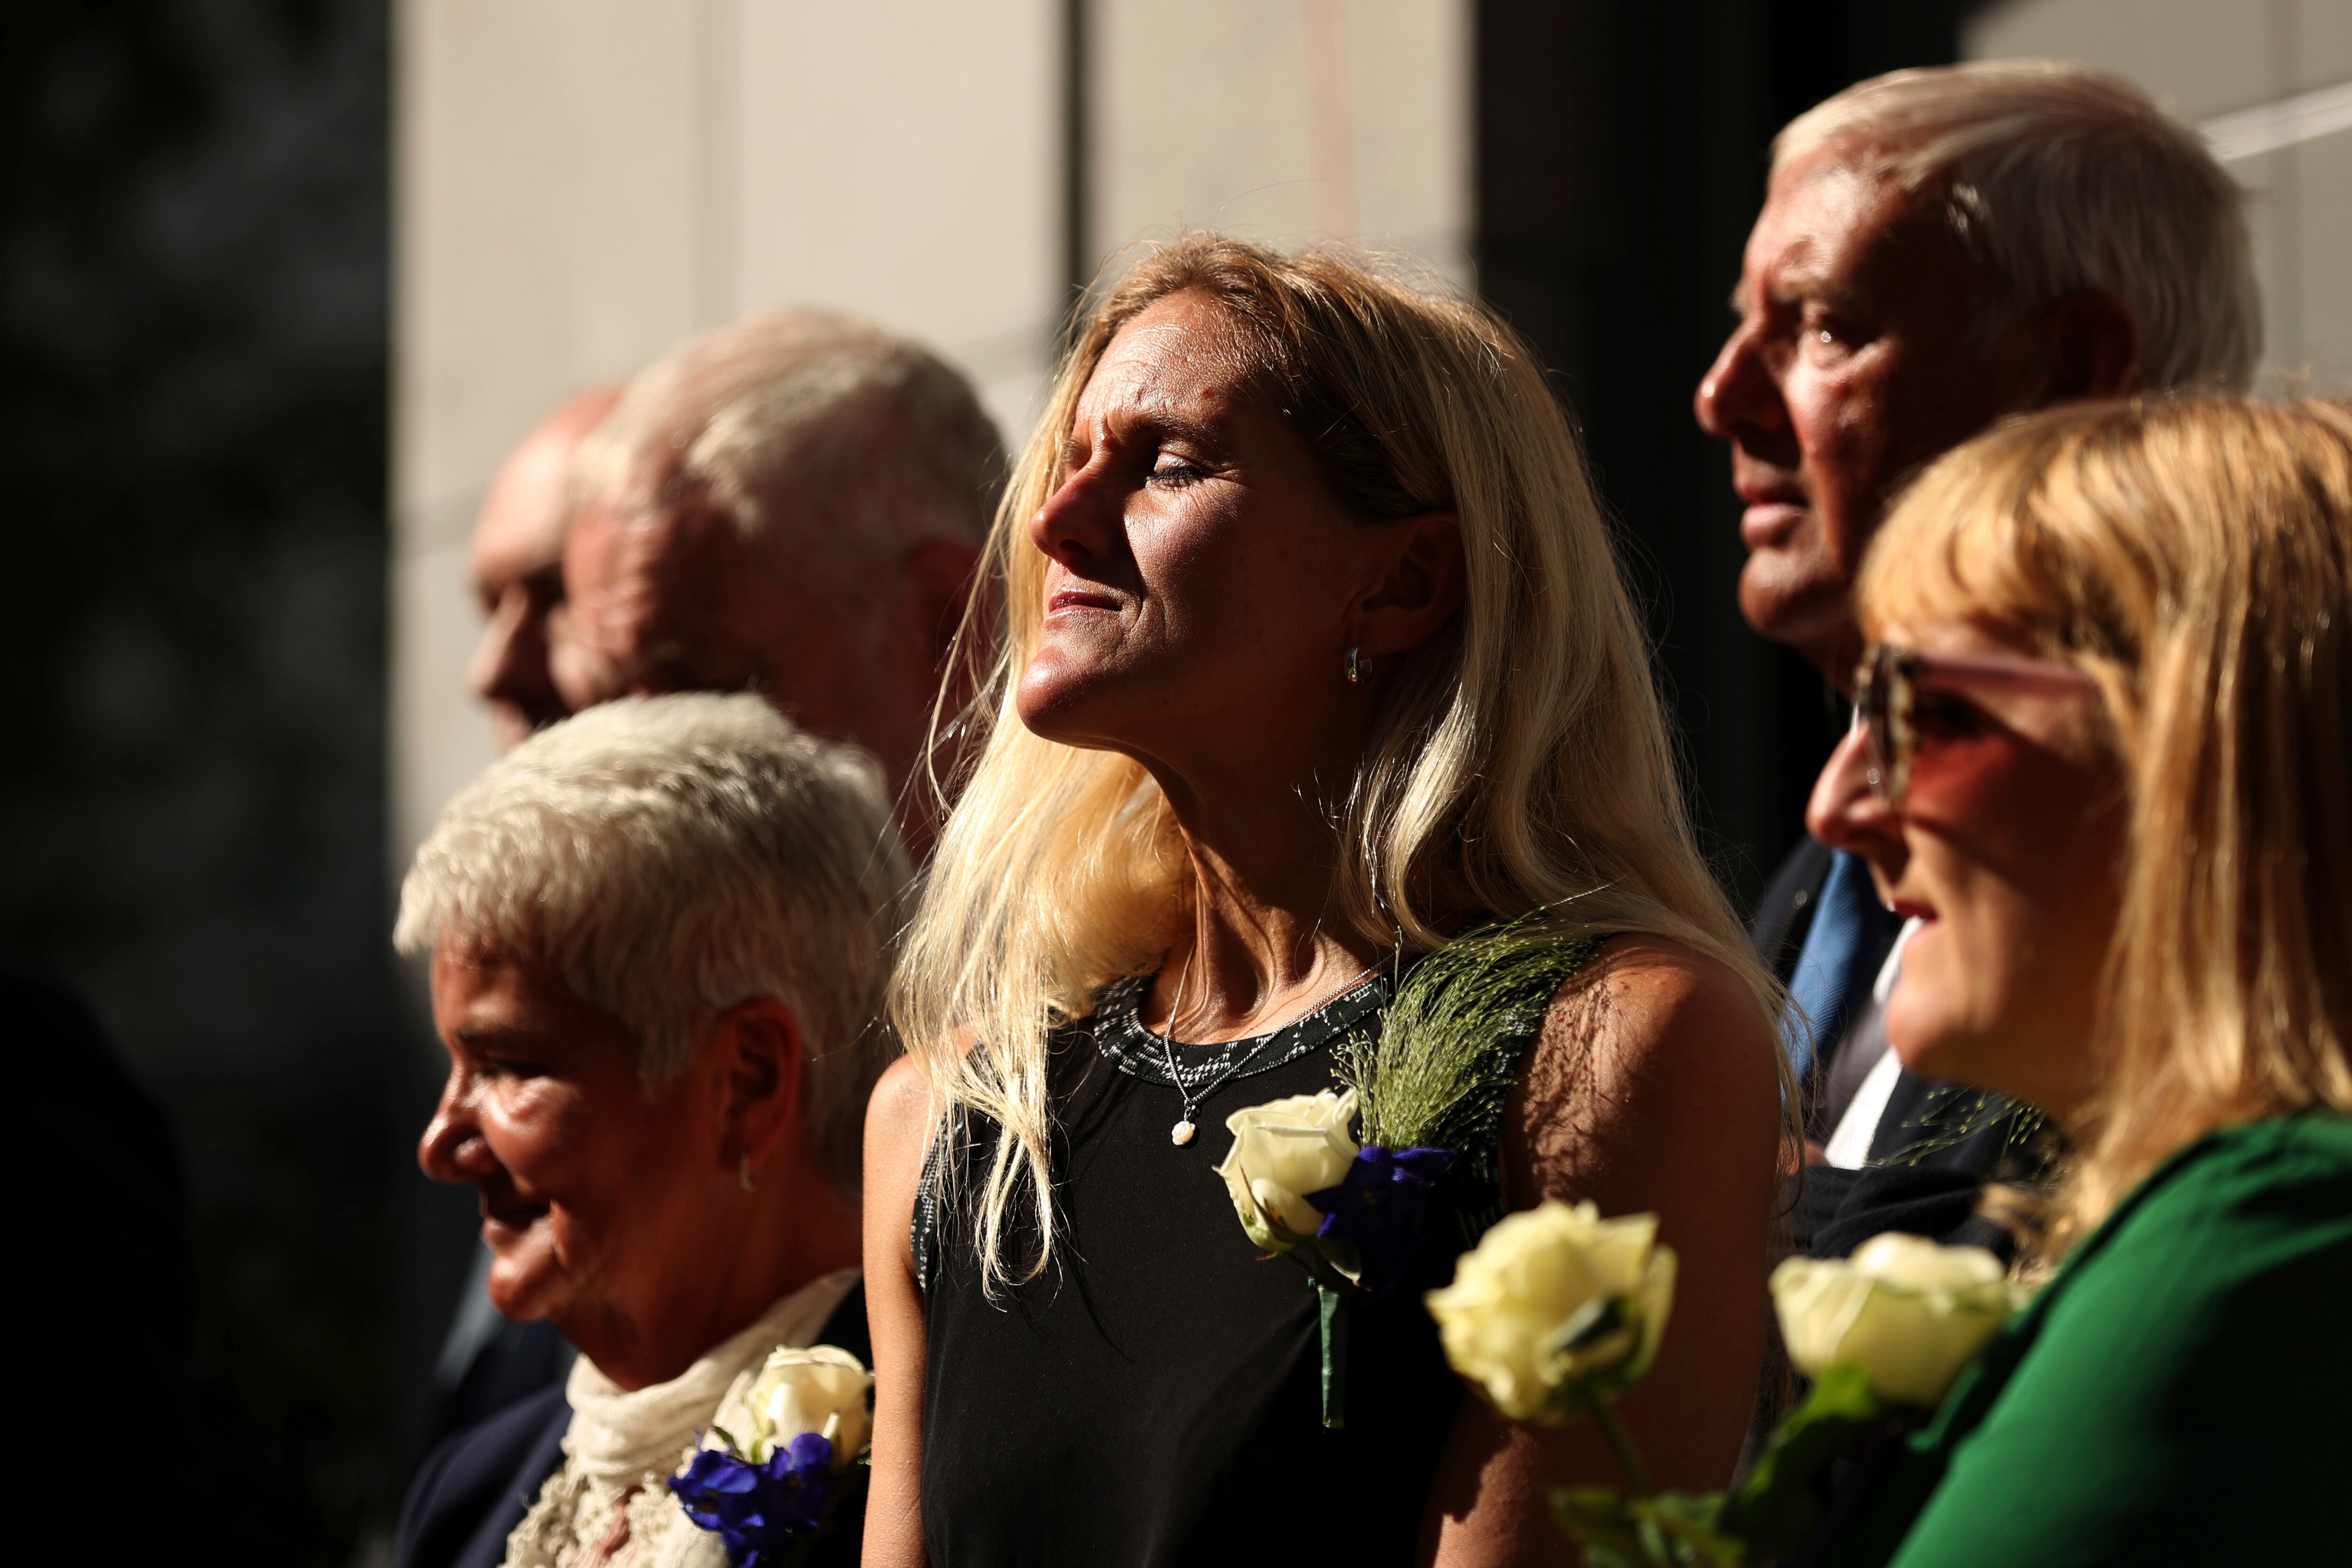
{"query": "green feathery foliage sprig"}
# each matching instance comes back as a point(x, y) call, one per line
point(1436, 1078)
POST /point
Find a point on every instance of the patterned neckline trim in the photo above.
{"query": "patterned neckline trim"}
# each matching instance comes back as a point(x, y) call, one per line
point(1121, 1035)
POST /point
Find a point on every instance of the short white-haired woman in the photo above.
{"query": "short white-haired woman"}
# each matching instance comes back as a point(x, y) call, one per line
point(1317, 658)
point(2106, 762)
point(659, 933)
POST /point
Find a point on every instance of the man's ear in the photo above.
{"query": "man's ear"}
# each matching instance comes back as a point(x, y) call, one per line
point(942, 572)
point(762, 1058)
point(1419, 587)
point(2087, 346)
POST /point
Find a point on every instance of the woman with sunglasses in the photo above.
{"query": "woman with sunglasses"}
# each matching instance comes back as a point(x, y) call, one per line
point(2104, 758)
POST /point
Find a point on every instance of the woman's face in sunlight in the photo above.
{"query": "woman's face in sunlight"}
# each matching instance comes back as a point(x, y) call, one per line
point(2008, 846)
point(1199, 572)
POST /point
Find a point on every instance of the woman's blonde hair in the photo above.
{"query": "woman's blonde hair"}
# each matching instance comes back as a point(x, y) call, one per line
point(1521, 759)
point(2195, 557)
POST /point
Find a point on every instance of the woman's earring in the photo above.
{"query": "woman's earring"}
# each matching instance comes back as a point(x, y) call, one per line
point(743, 1171)
point(1354, 668)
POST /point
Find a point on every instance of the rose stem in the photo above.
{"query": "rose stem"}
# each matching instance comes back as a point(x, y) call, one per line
point(1620, 1443)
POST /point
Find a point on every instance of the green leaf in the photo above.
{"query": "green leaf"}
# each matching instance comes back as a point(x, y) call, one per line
point(727, 1437)
point(1778, 1506)
point(1596, 1519)
point(1688, 1524)
point(1669, 1531)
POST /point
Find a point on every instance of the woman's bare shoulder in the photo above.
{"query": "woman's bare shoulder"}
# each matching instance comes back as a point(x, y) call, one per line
point(899, 1116)
point(1640, 991)
point(1652, 1043)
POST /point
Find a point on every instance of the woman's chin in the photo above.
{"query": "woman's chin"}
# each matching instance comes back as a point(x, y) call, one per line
point(1921, 1034)
point(1069, 710)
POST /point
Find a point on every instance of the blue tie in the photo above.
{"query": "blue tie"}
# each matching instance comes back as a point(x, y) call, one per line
point(1825, 981)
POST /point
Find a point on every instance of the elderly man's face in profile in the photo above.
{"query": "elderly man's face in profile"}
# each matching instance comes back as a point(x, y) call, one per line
point(518, 568)
point(517, 560)
point(1856, 359)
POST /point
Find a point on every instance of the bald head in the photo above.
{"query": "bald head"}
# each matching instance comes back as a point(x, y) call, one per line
point(792, 505)
point(517, 560)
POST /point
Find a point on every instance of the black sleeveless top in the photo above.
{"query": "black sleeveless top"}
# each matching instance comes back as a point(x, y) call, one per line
point(1153, 1396)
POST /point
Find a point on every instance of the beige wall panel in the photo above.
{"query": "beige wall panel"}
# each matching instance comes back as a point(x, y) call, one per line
point(900, 159)
point(1283, 120)
point(2323, 244)
point(2202, 57)
point(2321, 55)
point(547, 215)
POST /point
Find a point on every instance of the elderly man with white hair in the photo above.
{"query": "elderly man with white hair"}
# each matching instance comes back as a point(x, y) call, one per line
point(1938, 248)
point(791, 505)
point(659, 932)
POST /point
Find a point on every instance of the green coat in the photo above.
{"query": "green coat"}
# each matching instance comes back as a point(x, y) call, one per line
point(2179, 1393)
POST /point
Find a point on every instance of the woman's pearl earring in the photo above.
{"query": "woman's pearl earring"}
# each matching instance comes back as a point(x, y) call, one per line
point(1355, 668)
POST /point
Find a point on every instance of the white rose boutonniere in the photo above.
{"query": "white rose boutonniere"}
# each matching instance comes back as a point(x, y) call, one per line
point(1909, 1313)
point(1282, 1151)
point(1556, 1307)
point(822, 1389)
point(770, 1489)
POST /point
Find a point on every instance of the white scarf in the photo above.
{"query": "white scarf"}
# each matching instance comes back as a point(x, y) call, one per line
point(622, 1446)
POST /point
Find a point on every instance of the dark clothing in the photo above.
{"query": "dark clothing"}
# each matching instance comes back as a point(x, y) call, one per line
point(489, 1362)
point(1937, 1145)
point(474, 1488)
point(1152, 1398)
point(2176, 1394)
point(110, 1269)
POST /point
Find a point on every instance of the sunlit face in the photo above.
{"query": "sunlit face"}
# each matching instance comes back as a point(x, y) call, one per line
point(2009, 848)
point(598, 1199)
point(1200, 573)
point(1856, 360)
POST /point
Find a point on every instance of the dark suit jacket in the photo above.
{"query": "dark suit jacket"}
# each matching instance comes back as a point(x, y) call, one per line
point(102, 1256)
point(474, 1488)
point(1937, 1145)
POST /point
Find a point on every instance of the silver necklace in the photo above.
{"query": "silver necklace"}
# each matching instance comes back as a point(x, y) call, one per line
point(1182, 1133)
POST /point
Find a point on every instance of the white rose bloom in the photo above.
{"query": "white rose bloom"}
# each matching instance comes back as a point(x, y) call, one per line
point(1281, 1152)
point(821, 1389)
point(1514, 1296)
point(1910, 1313)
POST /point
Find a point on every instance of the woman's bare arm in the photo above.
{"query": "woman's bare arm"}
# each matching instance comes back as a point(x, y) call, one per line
point(899, 1120)
point(1654, 1086)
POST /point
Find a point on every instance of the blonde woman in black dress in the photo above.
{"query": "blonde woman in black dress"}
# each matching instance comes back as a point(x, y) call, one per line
point(1315, 657)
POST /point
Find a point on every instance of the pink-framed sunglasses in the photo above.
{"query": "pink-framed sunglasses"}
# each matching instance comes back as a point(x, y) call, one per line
point(1886, 695)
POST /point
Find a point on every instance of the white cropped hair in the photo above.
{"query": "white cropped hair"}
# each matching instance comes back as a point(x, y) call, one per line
point(2058, 178)
point(667, 857)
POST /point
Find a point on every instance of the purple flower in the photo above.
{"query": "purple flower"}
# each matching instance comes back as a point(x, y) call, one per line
point(760, 1511)
point(1378, 1208)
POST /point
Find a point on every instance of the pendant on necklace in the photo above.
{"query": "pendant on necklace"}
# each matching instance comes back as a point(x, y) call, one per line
point(1182, 1133)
